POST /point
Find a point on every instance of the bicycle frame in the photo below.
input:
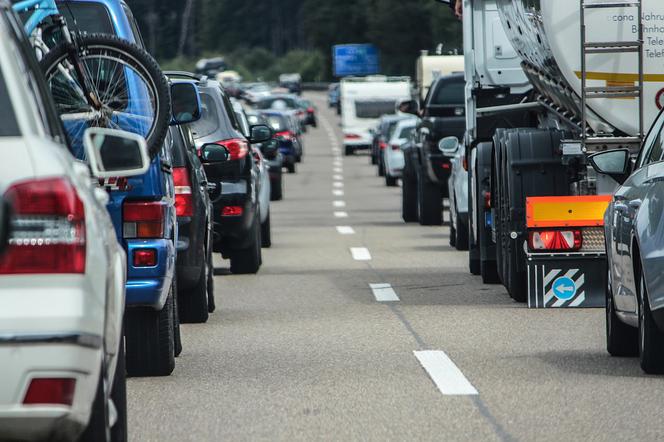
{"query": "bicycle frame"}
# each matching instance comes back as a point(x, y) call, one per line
point(42, 10)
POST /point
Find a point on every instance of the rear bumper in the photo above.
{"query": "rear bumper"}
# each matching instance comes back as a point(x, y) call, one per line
point(149, 286)
point(232, 232)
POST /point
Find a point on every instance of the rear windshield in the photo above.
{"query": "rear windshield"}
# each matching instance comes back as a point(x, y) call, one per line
point(374, 108)
point(278, 103)
point(209, 121)
point(8, 124)
point(449, 93)
point(90, 17)
point(277, 123)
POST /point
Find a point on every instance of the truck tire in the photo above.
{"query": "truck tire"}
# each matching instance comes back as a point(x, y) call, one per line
point(409, 198)
point(193, 304)
point(430, 202)
point(532, 167)
point(150, 340)
point(621, 339)
point(248, 260)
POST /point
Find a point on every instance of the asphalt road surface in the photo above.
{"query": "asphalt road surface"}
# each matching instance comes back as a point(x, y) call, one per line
point(308, 349)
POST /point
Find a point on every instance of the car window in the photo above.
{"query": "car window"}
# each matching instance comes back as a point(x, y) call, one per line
point(8, 123)
point(448, 93)
point(406, 132)
point(277, 123)
point(278, 103)
point(209, 121)
point(179, 149)
point(391, 129)
point(244, 124)
point(653, 146)
point(134, 26)
point(87, 17)
point(374, 108)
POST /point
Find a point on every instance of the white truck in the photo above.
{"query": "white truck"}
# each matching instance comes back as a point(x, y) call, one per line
point(548, 83)
point(430, 67)
point(363, 101)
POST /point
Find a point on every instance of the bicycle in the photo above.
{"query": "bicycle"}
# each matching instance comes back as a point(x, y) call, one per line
point(98, 80)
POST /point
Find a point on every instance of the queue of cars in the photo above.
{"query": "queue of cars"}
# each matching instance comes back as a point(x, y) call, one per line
point(105, 250)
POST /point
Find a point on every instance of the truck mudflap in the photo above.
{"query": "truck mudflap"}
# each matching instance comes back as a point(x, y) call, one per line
point(567, 278)
point(562, 281)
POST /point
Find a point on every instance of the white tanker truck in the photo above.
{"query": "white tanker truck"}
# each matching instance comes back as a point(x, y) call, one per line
point(548, 83)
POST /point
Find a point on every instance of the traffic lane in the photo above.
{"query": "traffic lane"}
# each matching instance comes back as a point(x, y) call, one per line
point(535, 369)
point(299, 351)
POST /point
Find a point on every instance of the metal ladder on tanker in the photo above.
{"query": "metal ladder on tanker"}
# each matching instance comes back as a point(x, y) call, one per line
point(598, 142)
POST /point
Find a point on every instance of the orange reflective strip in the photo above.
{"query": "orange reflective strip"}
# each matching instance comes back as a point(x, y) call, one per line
point(566, 211)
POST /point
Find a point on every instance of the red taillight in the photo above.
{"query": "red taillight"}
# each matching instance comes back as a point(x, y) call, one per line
point(145, 258)
point(184, 201)
point(143, 219)
point(310, 110)
point(232, 211)
point(48, 229)
point(382, 145)
point(446, 166)
point(555, 240)
point(396, 147)
point(50, 391)
point(352, 136)
point(237, 148)
point(286, 135)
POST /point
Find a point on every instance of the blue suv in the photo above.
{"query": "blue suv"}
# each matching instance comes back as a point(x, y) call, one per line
point(144, 215)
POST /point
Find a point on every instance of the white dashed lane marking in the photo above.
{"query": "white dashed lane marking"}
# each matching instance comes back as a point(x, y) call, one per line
point(444, 373)
point(339, 203)
point(340, 215)
point(384, 293)
point(337, 177)
point(338, 184)
point(345, 230)
point(360, 253)
point(337, 192)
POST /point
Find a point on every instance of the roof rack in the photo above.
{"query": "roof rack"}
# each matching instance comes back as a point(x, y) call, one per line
point(185, 74)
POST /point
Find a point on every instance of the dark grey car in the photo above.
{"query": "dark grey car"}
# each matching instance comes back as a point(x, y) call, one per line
point(634, 232)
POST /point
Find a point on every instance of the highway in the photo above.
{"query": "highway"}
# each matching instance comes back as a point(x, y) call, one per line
point(360, 327)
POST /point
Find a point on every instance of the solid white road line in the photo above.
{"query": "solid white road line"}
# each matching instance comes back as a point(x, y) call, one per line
point(360, 253)
point(340, 214)
point(339, 203)
point(444, 373)
point(338, 192)
point(338, 177)
point(338, 184)
point(384, 293)
point(345, 230)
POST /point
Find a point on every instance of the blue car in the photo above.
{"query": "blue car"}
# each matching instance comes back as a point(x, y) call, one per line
point(144, 215)
point(286, 132)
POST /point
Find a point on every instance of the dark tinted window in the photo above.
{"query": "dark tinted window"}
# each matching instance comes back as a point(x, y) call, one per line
point(374, 108)
point(90, 17)
point(209, 121)
point(448, 93)
point(179, 148)
point(8, 124)
point(278, 103)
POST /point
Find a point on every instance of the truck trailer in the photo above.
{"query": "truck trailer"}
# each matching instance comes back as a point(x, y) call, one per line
point(549, 83)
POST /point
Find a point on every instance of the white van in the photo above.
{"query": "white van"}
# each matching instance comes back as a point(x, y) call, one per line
point(363, 101)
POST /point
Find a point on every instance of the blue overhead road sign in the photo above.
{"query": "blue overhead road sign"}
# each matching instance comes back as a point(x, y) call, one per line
point(355, 59)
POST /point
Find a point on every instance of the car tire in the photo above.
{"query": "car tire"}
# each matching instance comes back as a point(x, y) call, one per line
point(381, 166)
point(248, 260)
point(461, 233)
point(348, 151)
point(290, 168)
point(298, 158)
point(391, 181)
point(452, 240)
point(212, 306)
point(266, 233)
point(98, 427)
point(430, 202)
point(150, 340)
point(409, 199)
point(374, 158)
point(651, 338)
point(621, 339)
point(277, 190)
point(119, 396)
point(193, 304)
point(177, 338)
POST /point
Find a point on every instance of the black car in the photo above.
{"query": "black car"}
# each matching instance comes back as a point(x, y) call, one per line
point(274, 158)
point(194, 268)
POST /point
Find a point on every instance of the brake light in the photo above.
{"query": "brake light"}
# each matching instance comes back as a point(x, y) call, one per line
point(48, 229)
point(50, 391)
point(555, 240)
point(143, 219)
point(382, 145)
point(352, 136)
point(232, 211)
point(285, 135)
point(184, 201)
point(310, 110)
point(237, 148)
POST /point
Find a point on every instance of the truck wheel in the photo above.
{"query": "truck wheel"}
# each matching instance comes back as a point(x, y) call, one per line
point(248, 261)
point(193, 304)
point(430, 202)
point(621, 339)
point(651, 339)
point(409, 198)
point(266, 233)
point(150, 341)
point(348, 150)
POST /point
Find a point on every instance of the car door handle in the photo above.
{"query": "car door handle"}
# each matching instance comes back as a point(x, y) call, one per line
point(635, 204)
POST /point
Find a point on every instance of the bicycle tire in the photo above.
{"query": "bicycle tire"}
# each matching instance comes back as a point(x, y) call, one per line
point(138, 59)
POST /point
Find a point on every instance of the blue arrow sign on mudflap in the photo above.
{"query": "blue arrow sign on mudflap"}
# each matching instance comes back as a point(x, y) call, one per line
point(564, 288)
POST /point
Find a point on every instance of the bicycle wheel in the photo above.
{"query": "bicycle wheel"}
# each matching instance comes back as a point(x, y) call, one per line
point(129, 91)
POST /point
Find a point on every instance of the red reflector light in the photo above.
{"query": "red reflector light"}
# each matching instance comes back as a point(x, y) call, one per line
point(446, 166)
point(555, 240)
point(144, 219)
point(184, 201)
point(48, 229)
point(286, 135)
point(487, 199)
point(50, 391)
point(352, 136)
point(237, 148)
point(232, 211)
point(145, 258)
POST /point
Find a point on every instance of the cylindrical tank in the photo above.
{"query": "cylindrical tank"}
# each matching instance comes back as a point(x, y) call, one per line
point(547, 35)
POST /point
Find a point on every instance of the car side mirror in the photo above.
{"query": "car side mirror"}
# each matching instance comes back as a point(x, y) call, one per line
point(615, 163)
point(260, 133)
point(270, 148)
point(5, 213)
point(409, 107)
point(185, 103)
point(214, 153)
point(449, 146)
point(115, 153)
